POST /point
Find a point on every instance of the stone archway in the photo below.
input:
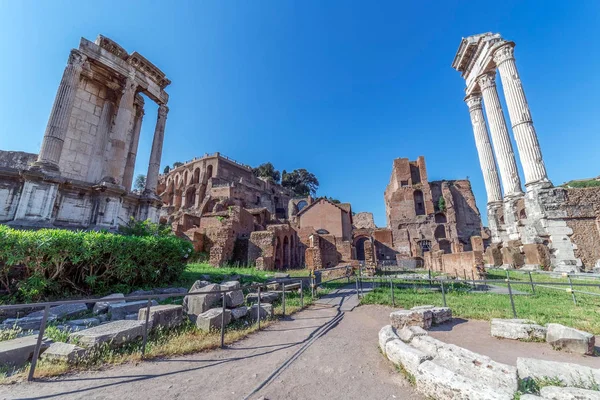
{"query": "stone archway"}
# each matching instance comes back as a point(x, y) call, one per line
point(359, 244)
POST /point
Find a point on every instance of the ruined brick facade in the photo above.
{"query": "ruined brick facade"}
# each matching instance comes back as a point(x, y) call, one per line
point(428, 216)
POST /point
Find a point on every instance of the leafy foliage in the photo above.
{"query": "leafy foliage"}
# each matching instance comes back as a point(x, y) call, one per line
point(177, 164)
point(140, 183)
point(166, 170)
point(583, 184)
point(267, 171)
point(36, 264)
point(145, 228)
point(441, 205)
point(302, 182)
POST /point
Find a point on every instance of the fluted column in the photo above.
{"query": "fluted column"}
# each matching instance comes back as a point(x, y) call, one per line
point(502, 145)
point(58, 123)
point(132, 154)
point(520, 117)
point(484, 149)
point(123, 122)
point(157, 144)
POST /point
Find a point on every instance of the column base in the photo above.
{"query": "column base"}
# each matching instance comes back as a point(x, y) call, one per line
point(494, 213)
point(511, 206)
point(45, 167)
point(537, 185)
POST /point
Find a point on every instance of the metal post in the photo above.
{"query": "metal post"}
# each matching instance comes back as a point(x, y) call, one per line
point(572, 292)
point(443, 292)
point(356, 281)
point(312, 286)
point(258, 310)
point(465, 274)
point(146, 327)
point(38, 346)
point(302, 293)
point(283, 297)
point(512, 301)
point(531, 281)
point(473, 278)
point(223, 322)
point(392, 290)
point(429, 273)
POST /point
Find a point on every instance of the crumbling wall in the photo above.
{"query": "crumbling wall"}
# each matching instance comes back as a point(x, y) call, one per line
point(583, 217)
point(364, 220)
point(16, 159)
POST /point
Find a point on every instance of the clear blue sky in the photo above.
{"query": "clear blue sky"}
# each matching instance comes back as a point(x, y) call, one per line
point(340, 88)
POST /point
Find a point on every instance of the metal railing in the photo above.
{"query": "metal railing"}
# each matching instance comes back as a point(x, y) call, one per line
point(149, 298)
point(381, 281)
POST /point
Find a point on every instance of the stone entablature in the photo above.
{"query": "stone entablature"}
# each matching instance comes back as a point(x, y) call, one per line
point(83, 174)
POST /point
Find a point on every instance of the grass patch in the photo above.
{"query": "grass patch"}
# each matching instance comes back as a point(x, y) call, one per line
point(547, 305)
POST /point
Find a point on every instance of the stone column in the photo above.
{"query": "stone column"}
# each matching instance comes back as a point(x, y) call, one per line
point(58, 123)
point(502, 145)
point(131, 155)
point(155, 155)
point(123, 121)
point(520, 117)
point(484, 149)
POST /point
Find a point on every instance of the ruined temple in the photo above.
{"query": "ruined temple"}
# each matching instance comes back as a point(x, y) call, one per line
point(82, 176)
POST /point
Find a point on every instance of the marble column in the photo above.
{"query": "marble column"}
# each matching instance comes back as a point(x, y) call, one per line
point(133, 146)
point(484, 149)
point(502, 145)
point(520, 117)
point(123, 122)
point(58, 123)
point(157, 145)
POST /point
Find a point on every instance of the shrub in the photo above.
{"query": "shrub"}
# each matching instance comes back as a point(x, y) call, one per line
point(34, 264)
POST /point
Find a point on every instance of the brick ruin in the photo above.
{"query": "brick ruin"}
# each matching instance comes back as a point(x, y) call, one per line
point(83, 174)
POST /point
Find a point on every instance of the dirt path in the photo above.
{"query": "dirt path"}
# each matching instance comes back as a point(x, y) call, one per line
point(288, 360)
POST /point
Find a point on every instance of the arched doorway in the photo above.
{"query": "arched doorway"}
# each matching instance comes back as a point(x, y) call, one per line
point(446, 246)
point(440, 218)
point(360, 248)
point(196, 175)
point(440, 232)
point(190, 197)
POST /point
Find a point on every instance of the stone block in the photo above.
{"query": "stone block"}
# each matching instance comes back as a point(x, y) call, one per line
point(568, 373)
point(478, 367)
point(17, 352)
point(564, 338)
point(230, 285)
point(441, 315)
point(87, 322)
point(568, 393)
point(193, 305)
point(25, 323)
point(265, 297)
point(266, 311)
point(407, 333)
point(239, 312)
point(63, 311)
point(171, 290)
point(440, 383)
point(536, 254)
point(166, 316)
point(115, 333)
point(64, 352)
point(400, 319)
point(518, 329)
point(102, 306)
point(212, 319)
point(427, 344)
point(404, 355)
point(386, 334)
point(121, 310)
point(234, 298)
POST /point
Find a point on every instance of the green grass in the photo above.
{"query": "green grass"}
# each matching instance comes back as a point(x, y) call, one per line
point(547, 305)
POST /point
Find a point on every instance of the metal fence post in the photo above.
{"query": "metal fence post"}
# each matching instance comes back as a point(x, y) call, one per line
point(223, 321)
point(258, 310)
point(531, 281)
point(443, 293)
point(512, 301)
point(473, 278)
point(572, 292)
point(356, 281)
point(429, 273)
point(283, 297)
point(36, 352)
point(146, 327)
point(392, 290)
point(302, 293)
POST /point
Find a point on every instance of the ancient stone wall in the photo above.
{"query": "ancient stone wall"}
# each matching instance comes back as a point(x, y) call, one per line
point(364, 220)
point(583, 217)
point(327, 218)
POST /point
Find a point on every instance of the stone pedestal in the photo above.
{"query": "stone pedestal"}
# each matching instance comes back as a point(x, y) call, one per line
point(497, 229)
point(511, 219)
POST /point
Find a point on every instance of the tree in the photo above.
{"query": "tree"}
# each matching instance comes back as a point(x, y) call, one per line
point(177, 164)
point(302, 182)
point(334, 201)
point(267, 171)
point(140, 183)
point(166, 170)
point(441, 204)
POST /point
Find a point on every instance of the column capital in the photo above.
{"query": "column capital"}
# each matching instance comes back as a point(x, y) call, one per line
point(474, 101)
point(504, 52)
point(77, 59)
point(487, 80)
point(163, 110)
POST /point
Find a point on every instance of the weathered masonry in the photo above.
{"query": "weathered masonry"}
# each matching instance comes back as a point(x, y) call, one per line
point(83, 174)
point(538, 226)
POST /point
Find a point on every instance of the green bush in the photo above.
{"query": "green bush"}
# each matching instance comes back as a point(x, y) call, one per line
point(46, 262)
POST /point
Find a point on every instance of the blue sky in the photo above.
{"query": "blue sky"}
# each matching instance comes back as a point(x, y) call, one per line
point(340, 88)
